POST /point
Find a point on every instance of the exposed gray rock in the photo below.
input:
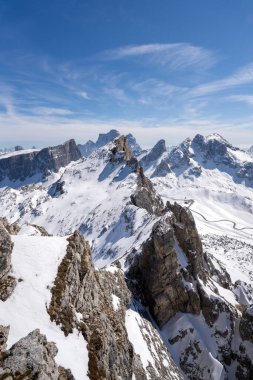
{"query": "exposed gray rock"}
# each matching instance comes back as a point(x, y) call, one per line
point(18, 148)
point(160, 278)
point(32, 357)
point(158, 274)
point(13, 228)
point(87, 148)
point(7, 282)
point(4, 332)
point(162, 169)
point(155, 153)
point(42, 230)
point(246, 325)
point(57, 188)
point(79, 287)
point(121, 148)
point(188, 237)
point(22, 166)
point(145, 195)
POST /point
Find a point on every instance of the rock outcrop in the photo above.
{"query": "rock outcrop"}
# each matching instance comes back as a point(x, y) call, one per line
point(188, 238)
point(173, 277)
point(121, 148)
point(79, 288)
point(7, 282)
point(145, 195)
point(32, 357)
point(246, 325)
point(13, 228)
point(160, 278)
point(82, 298)
point(40, 163)
point(4, 332)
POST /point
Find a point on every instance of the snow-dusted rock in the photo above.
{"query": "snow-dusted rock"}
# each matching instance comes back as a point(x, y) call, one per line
point(155, 153)
point(103, 139)
point(32, 357)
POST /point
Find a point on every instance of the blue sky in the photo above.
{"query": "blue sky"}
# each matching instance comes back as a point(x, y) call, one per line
point(158, 69)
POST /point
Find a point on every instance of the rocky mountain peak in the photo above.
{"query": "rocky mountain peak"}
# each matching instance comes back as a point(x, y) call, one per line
point(155, 153)
point(105, 138)
point(145, 195)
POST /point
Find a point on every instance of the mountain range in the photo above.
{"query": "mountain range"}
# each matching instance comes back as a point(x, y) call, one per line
point(123, 263)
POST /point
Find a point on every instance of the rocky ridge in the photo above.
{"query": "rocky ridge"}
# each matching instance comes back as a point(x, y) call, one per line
point(22, 166)
point(171, 276)
point(82, 299)
point(7, 281)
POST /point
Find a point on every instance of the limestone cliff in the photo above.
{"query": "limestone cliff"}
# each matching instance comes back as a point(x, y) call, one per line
point(22, 166)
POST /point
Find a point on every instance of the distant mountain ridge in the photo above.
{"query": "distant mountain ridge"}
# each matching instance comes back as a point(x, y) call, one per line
point(104, 138)
point(24, 165)
point(193, 156)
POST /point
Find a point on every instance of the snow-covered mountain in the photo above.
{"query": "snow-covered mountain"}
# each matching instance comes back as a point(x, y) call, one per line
point(104, 138)
point(167, 296)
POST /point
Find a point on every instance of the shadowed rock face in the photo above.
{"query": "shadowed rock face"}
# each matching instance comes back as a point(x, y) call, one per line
point(159, 276)
point(154, 154)
point(32, 357)
point(23, 166)
point(246, 325)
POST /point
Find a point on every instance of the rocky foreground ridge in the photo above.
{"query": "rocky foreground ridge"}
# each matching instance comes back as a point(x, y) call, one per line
point(162, 282)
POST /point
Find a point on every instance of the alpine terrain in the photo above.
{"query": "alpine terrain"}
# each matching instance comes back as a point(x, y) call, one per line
point(123, 263)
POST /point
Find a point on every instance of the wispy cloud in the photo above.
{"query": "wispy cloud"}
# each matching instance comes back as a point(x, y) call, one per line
point(248, 99)
point(241, 77)
point(177, 56)
point(47, 111)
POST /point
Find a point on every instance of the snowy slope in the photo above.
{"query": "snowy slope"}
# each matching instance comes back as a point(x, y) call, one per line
point(96, 200)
